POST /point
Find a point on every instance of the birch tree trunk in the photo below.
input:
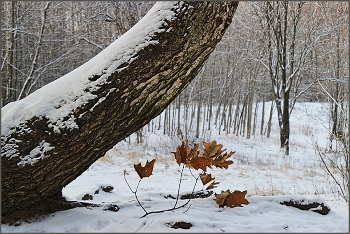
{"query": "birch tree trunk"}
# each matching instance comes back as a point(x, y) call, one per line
point(40, 154)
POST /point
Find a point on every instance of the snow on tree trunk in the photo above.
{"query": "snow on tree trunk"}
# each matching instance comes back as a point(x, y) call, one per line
point(53, 135)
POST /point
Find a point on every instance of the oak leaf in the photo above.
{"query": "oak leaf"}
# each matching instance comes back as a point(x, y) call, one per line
point(212, 149)
point(237, 198)
point(206, 178)
point(220, 161)
point(193, 152)
point(212, 185)
point(145, 171)
point(200, 162)
point(220, 198)
point(182, 152)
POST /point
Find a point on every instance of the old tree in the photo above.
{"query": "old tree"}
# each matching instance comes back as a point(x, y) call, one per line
point(52, 136)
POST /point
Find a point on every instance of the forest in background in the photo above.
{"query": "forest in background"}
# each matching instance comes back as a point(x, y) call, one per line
point(273, 51)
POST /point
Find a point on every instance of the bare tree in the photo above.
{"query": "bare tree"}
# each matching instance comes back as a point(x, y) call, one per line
point(288, 44)
point(127, 14)
point(337, 62)
point(25, 88)
point(46, 40)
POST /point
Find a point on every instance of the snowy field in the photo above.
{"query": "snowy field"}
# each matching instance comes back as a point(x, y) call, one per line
point(259, 167)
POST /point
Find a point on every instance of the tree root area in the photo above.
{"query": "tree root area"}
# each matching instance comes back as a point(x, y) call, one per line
point(39, 210)
point(44, 208)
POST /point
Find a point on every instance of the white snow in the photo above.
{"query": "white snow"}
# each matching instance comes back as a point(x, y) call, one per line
point(259, 167)
point(35, 154)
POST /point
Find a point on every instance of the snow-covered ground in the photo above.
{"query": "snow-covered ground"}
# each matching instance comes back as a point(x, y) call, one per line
point(259, 167)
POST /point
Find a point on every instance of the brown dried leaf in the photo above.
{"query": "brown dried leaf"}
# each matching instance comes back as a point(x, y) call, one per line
point(193, 152)
point(145, 171)
point(206, 178)
point(199, 162)
point(224, 164)
point(182, 152)
point(220, 198)
point(237, 198)
point(220, 161)
point(211, 149)
point(212, 185)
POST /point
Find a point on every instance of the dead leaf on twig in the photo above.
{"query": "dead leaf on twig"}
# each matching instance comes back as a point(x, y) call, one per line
point(145, 171)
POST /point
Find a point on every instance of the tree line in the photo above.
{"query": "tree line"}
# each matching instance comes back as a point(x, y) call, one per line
point(43, 41)
point(282, 52)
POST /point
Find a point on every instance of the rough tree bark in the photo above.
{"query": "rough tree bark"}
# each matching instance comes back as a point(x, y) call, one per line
point(126, 100)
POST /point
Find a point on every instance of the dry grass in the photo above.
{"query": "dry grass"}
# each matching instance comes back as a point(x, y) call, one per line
point(287, 176)
point(108, 158)
point(265, 190)
point(307, 130)
point(134, 154)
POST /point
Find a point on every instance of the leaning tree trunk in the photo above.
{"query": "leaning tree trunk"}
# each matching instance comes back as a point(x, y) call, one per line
point(52, 136)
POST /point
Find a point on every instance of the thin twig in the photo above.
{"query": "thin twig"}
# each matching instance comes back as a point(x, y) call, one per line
point(178, 190)
point(335, 137)
point(161, 211)
point(127, 182)
point(195, 184)
point(187, 208)
point(137, 197)
point(135, 191)
point(340, 107)
point(192, 173)
point(340, 189)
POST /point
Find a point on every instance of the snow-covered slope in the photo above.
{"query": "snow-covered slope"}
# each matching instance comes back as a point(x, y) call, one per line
point(258, 167)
